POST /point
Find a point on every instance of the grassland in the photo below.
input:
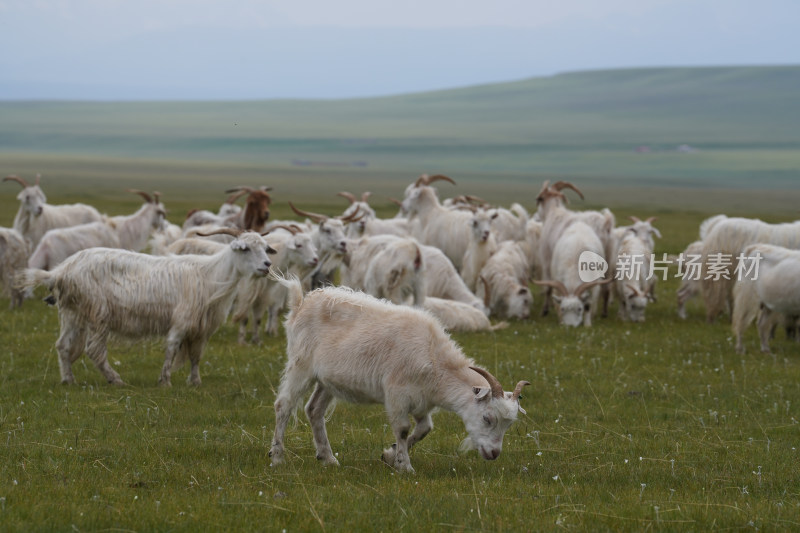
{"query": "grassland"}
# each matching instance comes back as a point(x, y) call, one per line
point(630, 427)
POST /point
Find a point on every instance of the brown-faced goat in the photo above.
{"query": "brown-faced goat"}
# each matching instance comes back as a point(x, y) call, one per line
point(364, 350)
point(185, 298)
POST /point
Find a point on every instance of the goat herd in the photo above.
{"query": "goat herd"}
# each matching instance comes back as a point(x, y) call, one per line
point(381, 336)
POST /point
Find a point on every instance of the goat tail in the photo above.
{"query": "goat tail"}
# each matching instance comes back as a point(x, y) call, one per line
point(293, 286)
point(33, 277)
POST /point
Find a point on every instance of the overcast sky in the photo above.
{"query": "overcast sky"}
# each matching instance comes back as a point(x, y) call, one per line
point(234, 49)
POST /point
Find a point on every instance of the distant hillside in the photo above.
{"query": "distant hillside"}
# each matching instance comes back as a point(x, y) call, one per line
point(740, 126)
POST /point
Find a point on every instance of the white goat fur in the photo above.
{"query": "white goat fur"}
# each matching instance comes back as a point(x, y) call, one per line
point(185, 298)
point(35, 216)
point(505, 277)
point(633, 287)
point(13, 258)
point(690, 287)
point(364, 350)
point(776, 289)
point(482, 245)
point(459, 317)
point(730, 237)
point(129, 232)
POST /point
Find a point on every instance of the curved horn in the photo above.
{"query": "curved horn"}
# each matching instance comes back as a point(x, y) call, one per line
point(350, 196)
point(233, 232)
point(294, 230)
point(486, 292)
point(365, 196)
point(240, 188)
point(316, 217)
point(634, 219)
point(235, 196)
point(475, 199)
point(560, 287)
point(352, 216)
point(494, 384)
point(559, 185)
point(651, 220)
point(440, 177)
point(16, 178)
point(518, 389)
point(156, 197)
point(422, 180)
point(396, 202)
point(145, 195)
point(583, 287)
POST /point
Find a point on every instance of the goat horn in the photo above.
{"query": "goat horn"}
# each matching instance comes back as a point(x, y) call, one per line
point(38, 177)
point(560, 287)
point(233, 232)
point(145, 195)
point(486, 292)
point(350, 196)
point(559, 185)
point(294, 230)
point(265, 188)
point(580, 289)
point(518, 389)
point(17, 179)
point(475, 199)
point(156, 197)
point(365, 196)
point(352, 216)
point(634, 219)
point(240, 188)
point(494, 384)
point(440, 177)
point(651, 220)
point(422, 180)
point(316, 217)
point(235, 196)
point(396, 202)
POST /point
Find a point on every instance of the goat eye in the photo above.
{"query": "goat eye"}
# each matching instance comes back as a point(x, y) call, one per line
point(487, 420)
point(299, 246)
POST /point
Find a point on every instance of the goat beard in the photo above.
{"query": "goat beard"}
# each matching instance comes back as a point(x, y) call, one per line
point(467, 445)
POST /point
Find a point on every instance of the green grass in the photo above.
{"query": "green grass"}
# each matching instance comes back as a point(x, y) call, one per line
point(630, 426)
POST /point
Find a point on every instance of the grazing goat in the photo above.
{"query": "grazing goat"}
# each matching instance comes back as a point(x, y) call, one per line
point(722, 247)
point(556, 218)
point(13, 258)
point(185, 298)
point(690, 281)
point(458, 316)
point(129, 232)
point(253, 217)
point(632, 276)
point(774, 290)
point(503, 281)
point(577, 300)
point(364, 350)
point(35, 216)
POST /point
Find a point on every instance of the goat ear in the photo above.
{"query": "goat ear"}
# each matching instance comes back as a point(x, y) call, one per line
point(523, 290)
point(271, 250)
point(556, 298)
point(482, 393)
point(238, 244)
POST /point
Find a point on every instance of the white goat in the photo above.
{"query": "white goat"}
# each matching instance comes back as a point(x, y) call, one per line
point(129, 232)
point(369, 224)
point(386, 266)
point(556, 218)
point(434, 224)
point(775, 289)
point(632, 276)
point(721, 248)
point(296, 255)
point(459, 317)
point(185, 298)
point(35, 216)
point(482, 245)
point(13, 258)
point(503, 281)
point(690, 281)
point(365, 350)
point(577, 300)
